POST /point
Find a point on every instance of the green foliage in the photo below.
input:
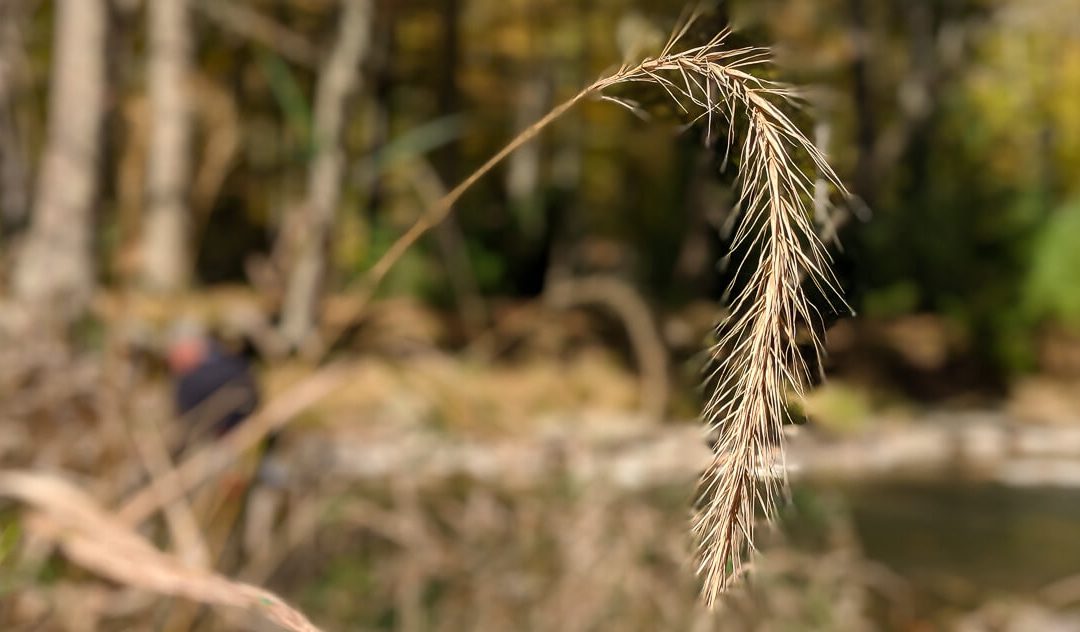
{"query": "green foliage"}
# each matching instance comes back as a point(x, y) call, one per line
point(1052, 287)
point(901, 297)
point(837, 406)
point(415, 274)
point(10, 534)
point(289, 96)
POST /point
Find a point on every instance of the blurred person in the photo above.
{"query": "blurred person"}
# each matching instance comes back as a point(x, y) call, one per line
point(214, 389)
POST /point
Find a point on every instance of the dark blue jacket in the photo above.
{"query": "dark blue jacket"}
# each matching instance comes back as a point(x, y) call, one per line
point(220, 372)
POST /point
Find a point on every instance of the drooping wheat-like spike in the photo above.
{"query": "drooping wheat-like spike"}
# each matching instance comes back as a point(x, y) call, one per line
point(757, 360)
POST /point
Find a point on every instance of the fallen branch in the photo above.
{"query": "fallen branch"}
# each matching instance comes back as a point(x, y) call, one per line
point(249, 23)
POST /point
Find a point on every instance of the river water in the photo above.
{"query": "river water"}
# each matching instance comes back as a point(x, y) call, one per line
point(959, 543)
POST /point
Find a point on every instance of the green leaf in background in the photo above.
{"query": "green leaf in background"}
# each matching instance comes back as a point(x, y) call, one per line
point(289, 95)
point(1052, 290)
point(418, 141)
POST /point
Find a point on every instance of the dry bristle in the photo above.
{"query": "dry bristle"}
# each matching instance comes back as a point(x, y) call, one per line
point(757, 359)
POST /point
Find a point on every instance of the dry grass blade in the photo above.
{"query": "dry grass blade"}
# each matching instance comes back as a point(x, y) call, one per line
point(757, 358)
point(97, 541)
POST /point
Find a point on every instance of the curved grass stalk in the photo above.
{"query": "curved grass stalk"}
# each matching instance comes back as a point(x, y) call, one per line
point(758, 362)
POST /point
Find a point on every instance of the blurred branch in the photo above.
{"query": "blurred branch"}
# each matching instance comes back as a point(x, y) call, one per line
point(338, 82)
point(14, 167)
point(302, 520)
point(219, 116)
point(629, 307)
point(179, 516)
point(97, 541)
point(249, 23)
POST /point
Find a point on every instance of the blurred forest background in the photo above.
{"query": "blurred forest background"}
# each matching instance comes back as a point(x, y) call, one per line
point(501, 434)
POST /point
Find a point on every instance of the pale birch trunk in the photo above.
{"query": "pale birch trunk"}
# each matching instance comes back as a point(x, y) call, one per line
point(164, 250)
point(523, 168)
point(338, 81)
point(56, 266)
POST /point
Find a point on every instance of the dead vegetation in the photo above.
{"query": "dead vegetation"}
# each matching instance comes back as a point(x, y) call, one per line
point(450, 553)
point(431, 510)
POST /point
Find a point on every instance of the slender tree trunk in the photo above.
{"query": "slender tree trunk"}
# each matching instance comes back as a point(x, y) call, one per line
point(523, 168)
point(379, 115)
point(164, 249)
point(448, 234)
point(564, 220)
point(862, 94)
point(338, 81)
point(14, 172)
point(56, 263)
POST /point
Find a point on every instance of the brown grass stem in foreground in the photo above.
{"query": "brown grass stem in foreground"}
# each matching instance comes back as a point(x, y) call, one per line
point(97, 541)
point(757, 358)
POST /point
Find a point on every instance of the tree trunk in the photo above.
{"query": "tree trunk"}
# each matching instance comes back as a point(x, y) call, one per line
point(55, 267)
point(164, 249)
point(338, 81)
point(862, 95)
point(14, 172)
